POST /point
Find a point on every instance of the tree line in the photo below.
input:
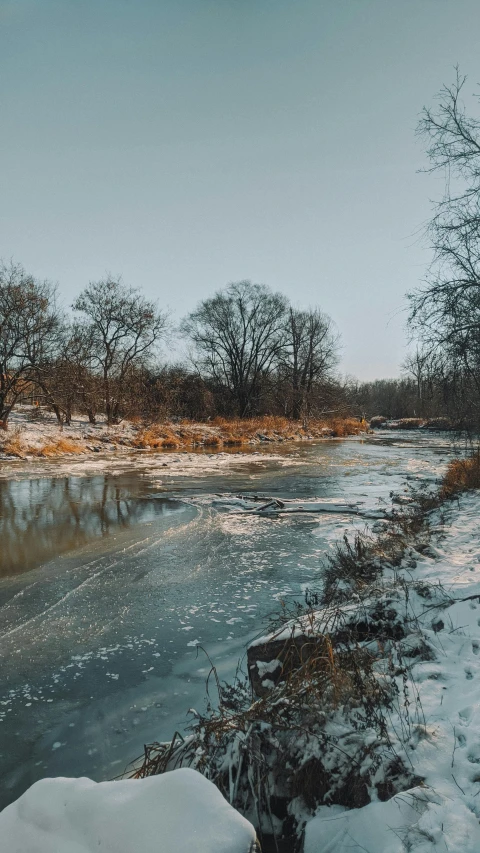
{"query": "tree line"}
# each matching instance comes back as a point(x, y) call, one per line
point(252, 353)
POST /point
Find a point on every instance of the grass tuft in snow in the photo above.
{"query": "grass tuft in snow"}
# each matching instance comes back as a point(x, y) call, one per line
point(462, 475)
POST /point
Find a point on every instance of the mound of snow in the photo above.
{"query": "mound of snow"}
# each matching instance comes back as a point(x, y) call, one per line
point(419, 820)
point(178, 812)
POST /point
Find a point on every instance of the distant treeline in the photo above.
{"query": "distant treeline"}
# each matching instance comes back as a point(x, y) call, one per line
point(251, 353)
point(419, 393)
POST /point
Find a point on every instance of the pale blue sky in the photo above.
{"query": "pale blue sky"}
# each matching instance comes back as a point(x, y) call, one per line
point(188, 143)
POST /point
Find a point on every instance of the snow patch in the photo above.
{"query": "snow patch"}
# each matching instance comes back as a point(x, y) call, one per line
point(178, 812)
point(417, 820)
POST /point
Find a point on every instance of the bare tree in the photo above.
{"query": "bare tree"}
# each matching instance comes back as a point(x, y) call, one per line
point(445, 312)
point(122, 330)
point(419, 365)
point(67, 377)
point(309, 357)
point(28, 332)
point(239, 334)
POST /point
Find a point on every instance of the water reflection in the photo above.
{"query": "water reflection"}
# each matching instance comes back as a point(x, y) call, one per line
point(42, 518)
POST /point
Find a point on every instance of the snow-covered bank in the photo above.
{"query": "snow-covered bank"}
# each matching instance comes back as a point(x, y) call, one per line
point(36, 434)
point(364, 728)
point(41, 448)
point(175, 813)
point(442, 814)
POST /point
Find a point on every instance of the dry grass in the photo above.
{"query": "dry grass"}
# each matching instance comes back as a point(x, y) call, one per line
point(462, 475)
point(235, 432)
point(18, 446)
point(13, 445)
point(212, 441)
point(230, 440)
point(341, 427)
point(242, 430)
point(274, 428)
point(238, 431)
point(57, 447)
point(155, 438)
point(217, 434)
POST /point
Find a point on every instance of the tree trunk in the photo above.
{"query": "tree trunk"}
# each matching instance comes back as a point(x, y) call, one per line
point(3, 410)
point(58, 413)
point(108, 405)
point(296, 406)
point(116, 413)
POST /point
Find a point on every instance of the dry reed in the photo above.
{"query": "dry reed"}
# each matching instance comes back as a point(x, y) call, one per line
point(461, 475)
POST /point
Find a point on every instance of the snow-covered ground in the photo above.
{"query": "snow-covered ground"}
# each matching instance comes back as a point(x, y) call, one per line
point(34, 433)
point(444, 813)
point(102, 449)
point(38, 426)
point(179, 812)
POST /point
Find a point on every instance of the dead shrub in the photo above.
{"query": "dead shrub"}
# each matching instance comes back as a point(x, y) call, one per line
point(315, 728)
point(265, 754)
point(461, 475)
point(357, 564)
point(411, 522)
point(57, 447)
point(212, 441)
point(232, 440)
point(13, 444)
point(342, 427)
point(156, 438)
point(353, 566)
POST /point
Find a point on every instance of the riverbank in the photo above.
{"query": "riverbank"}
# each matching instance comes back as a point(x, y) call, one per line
point(36, 434)
point(364, 728)
point(110, 632)
point(440, 715)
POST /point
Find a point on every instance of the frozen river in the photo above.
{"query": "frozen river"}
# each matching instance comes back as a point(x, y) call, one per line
point(111, 576)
